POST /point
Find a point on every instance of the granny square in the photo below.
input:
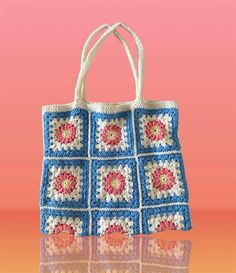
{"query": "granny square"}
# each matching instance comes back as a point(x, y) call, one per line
point(107, 222)
point(111, 134)
point(71, 222)
point(166, 218)
point(65, 183)
point(163, 179)
point(114, 183)
point(66, 133)
point(156, 130)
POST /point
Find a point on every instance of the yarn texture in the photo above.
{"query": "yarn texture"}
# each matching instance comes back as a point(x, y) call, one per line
point(112, 167)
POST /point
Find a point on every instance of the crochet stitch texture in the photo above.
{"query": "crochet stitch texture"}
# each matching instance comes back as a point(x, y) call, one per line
point(134, 187)
point(112, 167)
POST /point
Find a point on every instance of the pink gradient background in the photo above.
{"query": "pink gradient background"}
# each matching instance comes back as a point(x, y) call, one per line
point(190, 57)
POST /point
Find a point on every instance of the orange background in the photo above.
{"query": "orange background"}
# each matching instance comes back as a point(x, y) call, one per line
point(190, 56)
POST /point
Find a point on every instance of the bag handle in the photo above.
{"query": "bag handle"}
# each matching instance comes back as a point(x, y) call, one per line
point(120, 38)
point(92, 52)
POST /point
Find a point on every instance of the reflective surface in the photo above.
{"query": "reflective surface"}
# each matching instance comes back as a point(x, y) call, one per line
point(208, 247)
point(113, 254)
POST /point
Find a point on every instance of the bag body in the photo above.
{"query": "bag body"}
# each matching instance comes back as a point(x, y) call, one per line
point(112, 167)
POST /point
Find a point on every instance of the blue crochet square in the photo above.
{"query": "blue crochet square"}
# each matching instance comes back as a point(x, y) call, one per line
point(175, 217)
point(156, 130)
point(163, 179)
point(106, 222)
point(114, 184)
point(73, 222)
point(66, 133)
point(111, 134)
point(65, 183)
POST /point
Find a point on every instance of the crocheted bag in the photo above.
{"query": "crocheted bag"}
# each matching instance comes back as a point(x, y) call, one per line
point(112, 167)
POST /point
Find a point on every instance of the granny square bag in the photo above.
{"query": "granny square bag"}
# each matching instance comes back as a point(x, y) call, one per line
point(112, 167)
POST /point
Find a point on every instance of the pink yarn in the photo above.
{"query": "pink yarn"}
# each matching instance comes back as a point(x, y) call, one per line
point(165, 225)
point(114, 183)
point(114, 228)
point(65, 183)
point(155, 130)
point(111, 134)
point(66, 133)
point(64, 228)
point(163, 179)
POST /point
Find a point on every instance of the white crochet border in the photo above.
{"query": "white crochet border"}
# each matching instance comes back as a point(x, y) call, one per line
point(114, 209)
point(112, 158)
point(102, 107)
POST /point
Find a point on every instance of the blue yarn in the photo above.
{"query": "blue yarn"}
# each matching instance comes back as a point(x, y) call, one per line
point(47, 118)
point(133, 203)
point(173, 112)
point(183, 210)
point(46, 201)
point(101, 208)
point(133, 215)
point(84, 216)
point(128, 118)
point(171, 199)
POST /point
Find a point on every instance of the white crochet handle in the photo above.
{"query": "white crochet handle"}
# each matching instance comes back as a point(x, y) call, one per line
point(120, 38)
point(79, 95)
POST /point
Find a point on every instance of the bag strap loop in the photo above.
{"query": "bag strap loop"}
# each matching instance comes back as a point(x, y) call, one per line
point(121, 39)
point(92, 52)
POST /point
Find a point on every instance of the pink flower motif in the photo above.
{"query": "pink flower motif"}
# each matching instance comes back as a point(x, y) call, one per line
point(114, 228)
point(65, 183)
point(114, 183)
point(155, 130)
point(165, 225)
point(111, 134)
point(163, 179)
point(65, 228)
point(66, 133)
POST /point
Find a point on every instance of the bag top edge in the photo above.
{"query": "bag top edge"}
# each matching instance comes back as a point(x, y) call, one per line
point(103, 107)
